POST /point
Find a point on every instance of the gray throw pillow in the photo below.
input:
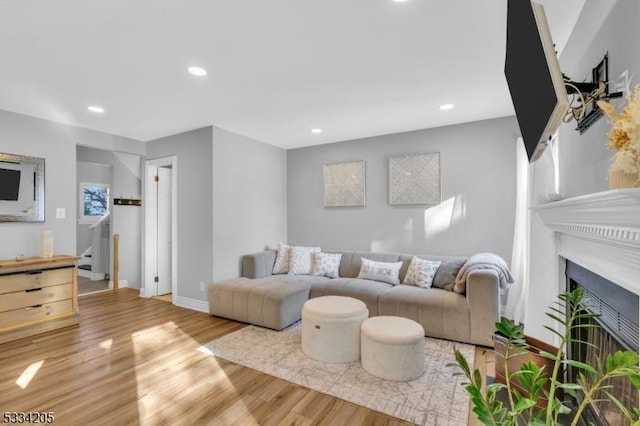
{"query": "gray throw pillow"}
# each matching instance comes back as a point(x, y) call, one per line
point(446, 276)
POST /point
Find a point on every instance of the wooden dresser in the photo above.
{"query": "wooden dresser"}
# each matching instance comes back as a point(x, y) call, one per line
point(37, 295)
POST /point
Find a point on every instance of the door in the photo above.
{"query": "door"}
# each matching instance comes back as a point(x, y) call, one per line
point(164, 240)
point(156, 218)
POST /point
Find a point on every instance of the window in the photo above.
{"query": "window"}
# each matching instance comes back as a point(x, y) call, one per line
point(94, 201)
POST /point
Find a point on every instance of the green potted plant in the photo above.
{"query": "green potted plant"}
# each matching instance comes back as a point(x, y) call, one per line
point(532, 381)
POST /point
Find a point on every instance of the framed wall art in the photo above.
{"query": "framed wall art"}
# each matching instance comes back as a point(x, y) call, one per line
point(344, 184)
point(21, 188)
point(414, 179)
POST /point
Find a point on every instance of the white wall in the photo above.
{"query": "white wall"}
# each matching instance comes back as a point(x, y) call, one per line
point(249, 200)
point(603, 26)
point(478, 179)
point(56, 143)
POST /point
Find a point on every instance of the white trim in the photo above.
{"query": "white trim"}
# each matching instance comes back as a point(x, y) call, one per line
point(148, 287)
point(600, 232)
point(121, 283)
point(93, 276)
point(193, 304)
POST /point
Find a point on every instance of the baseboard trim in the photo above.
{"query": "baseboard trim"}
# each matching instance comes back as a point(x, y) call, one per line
point(121, 283)
point(193, 304)
point(93, 276)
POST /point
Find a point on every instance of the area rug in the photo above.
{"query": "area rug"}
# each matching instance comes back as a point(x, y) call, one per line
point(435, 398)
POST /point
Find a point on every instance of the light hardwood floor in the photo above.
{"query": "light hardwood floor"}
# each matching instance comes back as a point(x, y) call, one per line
point(133, 361)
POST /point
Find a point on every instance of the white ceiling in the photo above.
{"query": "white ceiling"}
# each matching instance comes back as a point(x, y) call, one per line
point(276, 68)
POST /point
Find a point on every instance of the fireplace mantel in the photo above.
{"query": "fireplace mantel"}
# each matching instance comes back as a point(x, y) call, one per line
point(601, 232)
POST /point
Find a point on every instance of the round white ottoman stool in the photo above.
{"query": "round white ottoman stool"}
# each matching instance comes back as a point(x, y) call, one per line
point(393, 348)
point(331, 328)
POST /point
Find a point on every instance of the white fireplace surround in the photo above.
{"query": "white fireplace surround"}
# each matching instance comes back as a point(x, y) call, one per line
point(600, 232)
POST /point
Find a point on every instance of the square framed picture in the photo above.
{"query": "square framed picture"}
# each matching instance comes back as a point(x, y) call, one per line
point(344, 184)
point(415, 179)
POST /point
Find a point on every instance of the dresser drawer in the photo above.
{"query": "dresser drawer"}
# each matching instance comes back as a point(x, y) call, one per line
point(35, 279)
point(38, 296)
point(35, 313)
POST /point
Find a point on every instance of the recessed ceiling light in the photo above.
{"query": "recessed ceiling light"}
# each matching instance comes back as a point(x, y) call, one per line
point(446, 107)
point(94, 108)
point(316, 131)
point(399, 1)
point(200, 72)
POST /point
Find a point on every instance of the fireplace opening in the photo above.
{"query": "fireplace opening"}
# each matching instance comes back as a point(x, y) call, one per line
point(618, 330)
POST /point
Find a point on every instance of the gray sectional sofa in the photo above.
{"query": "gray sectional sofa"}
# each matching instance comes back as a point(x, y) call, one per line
point(275, 301)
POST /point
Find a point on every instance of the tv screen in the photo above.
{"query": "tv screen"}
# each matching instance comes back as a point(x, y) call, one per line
point(9, 184)
point(533, 74)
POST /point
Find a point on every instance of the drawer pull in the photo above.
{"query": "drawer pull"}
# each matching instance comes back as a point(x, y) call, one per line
point(33, 272)
point(33, 289)
point(28, 308)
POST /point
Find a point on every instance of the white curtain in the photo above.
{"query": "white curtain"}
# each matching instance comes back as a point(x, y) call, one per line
point(518, 292)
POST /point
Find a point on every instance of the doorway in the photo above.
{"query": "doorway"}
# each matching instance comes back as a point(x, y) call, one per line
point(160, 218)
point(94, 178)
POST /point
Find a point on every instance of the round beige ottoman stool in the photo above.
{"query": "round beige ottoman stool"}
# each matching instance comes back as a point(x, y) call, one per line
point(331, 328)
point(393, 348)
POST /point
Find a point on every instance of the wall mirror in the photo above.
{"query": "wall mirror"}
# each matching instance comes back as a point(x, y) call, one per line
point(21, 188)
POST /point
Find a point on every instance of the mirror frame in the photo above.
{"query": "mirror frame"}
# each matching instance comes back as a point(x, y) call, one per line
point(38, 211)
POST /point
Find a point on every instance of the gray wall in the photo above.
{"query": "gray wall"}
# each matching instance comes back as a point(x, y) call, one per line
point(478, 171)
point(126, 221)
point(583, 159)
point(231, 201)
point(56, 143)
point(249, 199)
point(194, 151)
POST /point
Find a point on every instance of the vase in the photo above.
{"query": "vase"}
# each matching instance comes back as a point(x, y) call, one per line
point(619, 178)
point(46, 244)
point(624, 171)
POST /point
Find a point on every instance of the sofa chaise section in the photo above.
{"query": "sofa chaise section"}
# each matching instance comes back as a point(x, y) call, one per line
point(268, 303)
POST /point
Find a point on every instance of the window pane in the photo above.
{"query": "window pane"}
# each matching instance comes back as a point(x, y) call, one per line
point(96, 200)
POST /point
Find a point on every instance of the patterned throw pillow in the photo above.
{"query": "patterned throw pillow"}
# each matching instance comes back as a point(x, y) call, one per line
point(421, 272)
point(325, 264)
point(388, 272)
point(300, 260)
point(282, 259)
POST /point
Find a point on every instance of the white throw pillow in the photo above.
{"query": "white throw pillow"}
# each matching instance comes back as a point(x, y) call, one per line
point(300, 260)
point(282, 259)
point(325, 264)
point(421, 272)
point(388, 272)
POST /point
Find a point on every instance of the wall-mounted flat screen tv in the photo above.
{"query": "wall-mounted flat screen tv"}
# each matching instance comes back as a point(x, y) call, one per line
point(9, 184)
point(533, 74)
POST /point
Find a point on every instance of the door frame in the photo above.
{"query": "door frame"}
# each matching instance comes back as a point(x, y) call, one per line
point(151, 225)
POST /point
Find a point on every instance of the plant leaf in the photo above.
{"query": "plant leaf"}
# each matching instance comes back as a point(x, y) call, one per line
point(547, 355)
point(570, 386)
point(620, 406)
point(557, 333)
point(580, 365)
point(555, 318)
point(524, 404)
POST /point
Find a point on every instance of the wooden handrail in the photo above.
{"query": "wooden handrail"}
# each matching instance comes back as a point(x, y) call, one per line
point(116, 253)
